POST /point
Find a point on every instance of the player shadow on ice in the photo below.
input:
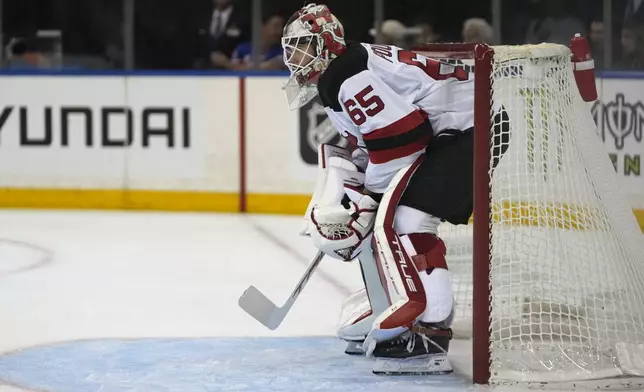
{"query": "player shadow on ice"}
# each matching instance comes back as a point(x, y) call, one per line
point(206, 364)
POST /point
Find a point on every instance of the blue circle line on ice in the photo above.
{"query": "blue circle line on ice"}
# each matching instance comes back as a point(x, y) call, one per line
point(205, 364)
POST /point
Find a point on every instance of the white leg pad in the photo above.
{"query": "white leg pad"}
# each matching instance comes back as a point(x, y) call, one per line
point(398, 274)
point(438, 289)
point(360, 309)
point(440, 298)
point(356, 317)
point(410, 220)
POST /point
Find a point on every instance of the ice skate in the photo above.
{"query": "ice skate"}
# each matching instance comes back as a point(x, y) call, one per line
point(421, 351)
point(354, 348)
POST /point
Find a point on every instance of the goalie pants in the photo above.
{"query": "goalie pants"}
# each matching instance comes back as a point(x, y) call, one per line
point(442, 184)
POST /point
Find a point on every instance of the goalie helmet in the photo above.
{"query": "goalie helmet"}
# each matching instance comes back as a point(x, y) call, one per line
point(312, 37)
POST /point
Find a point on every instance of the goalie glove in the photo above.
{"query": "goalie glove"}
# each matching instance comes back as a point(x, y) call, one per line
point(335, 169)
point(342, 231)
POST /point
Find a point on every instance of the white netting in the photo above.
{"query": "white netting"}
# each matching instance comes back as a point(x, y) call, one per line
point(567, 270)
point(335, 231)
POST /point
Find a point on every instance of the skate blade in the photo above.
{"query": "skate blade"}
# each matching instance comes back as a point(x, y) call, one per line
point(432, 364)
point(631, 358)
point(354, 348)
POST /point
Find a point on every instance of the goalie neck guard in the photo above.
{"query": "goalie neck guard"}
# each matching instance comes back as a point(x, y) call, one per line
point(312, 37)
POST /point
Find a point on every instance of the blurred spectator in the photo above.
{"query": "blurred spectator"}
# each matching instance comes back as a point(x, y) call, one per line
point(393, 33)
point(634, 11)
point(596, 39)
point(271, 57)
point(425, 33)
point(513, 29)
point(24, 54)
point(632, 41)
point(477, 30)
point(555, 22)
point(228, 28)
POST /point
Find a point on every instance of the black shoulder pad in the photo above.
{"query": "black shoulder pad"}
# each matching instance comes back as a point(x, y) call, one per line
point(351, 62)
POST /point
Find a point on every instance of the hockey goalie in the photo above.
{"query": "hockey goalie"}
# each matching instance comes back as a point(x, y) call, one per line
point(411, 120)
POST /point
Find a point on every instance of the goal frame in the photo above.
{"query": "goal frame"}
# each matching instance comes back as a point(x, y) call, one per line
point(483, 55)
point(532, 327)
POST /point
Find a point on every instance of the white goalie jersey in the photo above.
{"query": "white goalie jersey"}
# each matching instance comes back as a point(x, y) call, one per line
point(391, 103)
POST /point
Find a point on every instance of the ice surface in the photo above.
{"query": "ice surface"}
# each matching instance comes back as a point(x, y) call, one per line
point(114, 301)
point(156, 275)
point(214, 364)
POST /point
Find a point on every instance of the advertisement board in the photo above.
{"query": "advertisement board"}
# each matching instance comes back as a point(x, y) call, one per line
point(66, 138)
point(619, 115)
point(214, 143)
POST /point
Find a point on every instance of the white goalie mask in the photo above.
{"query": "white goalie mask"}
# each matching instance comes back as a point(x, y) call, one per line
point(312, 37)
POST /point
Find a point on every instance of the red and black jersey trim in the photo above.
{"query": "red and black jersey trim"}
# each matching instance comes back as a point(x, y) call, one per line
point(399, 139)
point(351, 62)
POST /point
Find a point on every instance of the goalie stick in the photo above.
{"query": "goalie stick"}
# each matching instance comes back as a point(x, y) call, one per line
point(255, 303)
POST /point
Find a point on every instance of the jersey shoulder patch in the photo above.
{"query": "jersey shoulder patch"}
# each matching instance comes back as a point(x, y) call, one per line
point(351, 62)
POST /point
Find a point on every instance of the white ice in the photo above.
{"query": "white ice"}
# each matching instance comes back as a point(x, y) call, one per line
point(121, 301)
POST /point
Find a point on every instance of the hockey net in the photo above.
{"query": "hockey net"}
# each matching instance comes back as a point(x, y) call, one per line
point(549, 281)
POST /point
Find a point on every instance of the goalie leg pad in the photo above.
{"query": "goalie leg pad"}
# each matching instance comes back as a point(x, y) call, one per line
point(360, 309)
point(401, 281)
point(398, 273)
point(400, 258)
point(356, 317)
point(428, 250)
point(428, 254)
point(411, 220)
point(440, 297)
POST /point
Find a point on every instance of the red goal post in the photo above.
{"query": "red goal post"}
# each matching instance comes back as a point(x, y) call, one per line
point(482, 55)
point(552, 209)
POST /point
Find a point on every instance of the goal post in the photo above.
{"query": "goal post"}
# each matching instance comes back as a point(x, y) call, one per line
point(481, 207)
point(549, 279)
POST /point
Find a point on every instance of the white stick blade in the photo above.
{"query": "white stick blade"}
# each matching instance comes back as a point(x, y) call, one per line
point(255, 303)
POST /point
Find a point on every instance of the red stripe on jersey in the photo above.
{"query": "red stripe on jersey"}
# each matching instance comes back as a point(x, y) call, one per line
point(404, 124)
point(384, 156)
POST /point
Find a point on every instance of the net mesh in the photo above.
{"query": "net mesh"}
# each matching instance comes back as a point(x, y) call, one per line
point(567, 256)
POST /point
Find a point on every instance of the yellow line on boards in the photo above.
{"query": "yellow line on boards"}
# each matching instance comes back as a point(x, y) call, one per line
point(150, 200)
point(277, 204)
point(114, 199)
point(118, 199)
point(517, 213)
point(639, 215)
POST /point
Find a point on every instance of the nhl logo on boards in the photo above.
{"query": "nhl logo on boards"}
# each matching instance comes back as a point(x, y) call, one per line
point(315, 129)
